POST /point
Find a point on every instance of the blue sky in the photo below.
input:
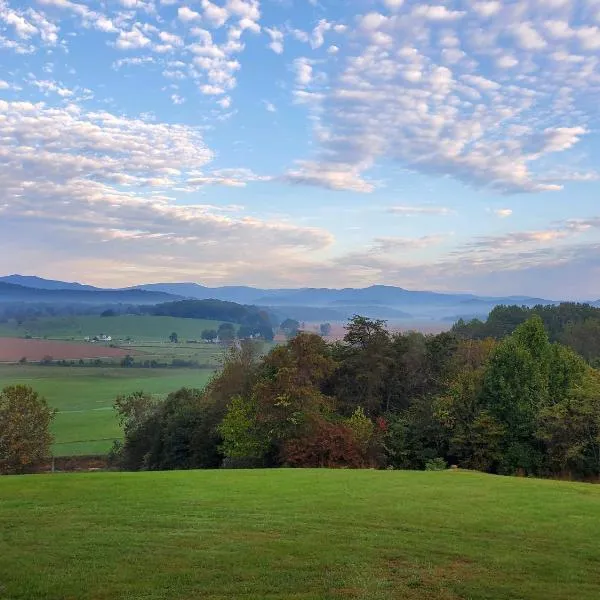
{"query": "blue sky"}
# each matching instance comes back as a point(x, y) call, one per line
point(446, 146)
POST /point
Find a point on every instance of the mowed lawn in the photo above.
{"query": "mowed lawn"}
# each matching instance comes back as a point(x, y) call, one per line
point(86, 422)
point(291, 534)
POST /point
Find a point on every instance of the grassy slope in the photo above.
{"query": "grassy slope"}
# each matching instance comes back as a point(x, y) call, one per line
point(292, 534)
point(86, 423)
point(137, 327)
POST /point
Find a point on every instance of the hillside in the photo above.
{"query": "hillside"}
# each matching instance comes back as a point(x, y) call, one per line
point(11, 293)
point(298, 534)
point(249, 316)
point(31, 281)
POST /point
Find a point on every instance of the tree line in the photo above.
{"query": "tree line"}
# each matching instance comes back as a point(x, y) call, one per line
point(382, 400)
point(572, 324)
point(377, 399)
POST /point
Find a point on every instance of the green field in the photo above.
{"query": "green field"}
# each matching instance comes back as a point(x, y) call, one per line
point(297, 534)
point(138, 327)
point(86, 422)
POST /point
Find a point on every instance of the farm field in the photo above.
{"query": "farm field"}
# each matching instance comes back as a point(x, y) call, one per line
point(138, 327)
point(15, 349)
point(297, 534)
point(84, 396)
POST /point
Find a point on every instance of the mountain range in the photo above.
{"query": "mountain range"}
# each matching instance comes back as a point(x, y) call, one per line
point(306, 304)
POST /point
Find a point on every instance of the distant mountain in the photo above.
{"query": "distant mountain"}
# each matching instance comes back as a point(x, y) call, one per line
point(31, 281)
point(305, 304)
point(10, 292)
point(240, 294)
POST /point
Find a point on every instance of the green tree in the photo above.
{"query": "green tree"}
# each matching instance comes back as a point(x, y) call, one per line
point(174, 338)
point(179, 432)
point(290, 327)
point(570, 429)
point(127, 361)
point(241, 434)
point(25, 419)
point(226, 332)
point(209, 335)
point(325, 329)
point(515, 388)
point(362, 428)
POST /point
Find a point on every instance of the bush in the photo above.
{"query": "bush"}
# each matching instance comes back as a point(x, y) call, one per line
point(436, 464)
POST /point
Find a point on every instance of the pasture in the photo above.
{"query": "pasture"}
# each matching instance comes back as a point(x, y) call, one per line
point(297, 534)
point(84, 396)
point(16, 349)
point(139, 328)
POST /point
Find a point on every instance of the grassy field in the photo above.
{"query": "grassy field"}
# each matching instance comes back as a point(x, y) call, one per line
point(86, 423)
point(138, 327)
point(297, 534)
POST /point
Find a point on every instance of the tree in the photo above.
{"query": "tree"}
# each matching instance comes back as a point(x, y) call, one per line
point(209, 335)
point(245, 332)
point(242, 438)
point(179, 432)
point(290, 327)
point(325, 329)
point(570, 429)
point(174, 338)
point(324, 444)
point(25, 419)
point(365, 365)
point(127, 361)
point(515, 388)
point(226, 332)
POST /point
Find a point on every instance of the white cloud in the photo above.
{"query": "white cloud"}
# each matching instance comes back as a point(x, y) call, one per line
point(527, 37)
point(412, 211)
point(437, 12)
point(269, 106)
point(393, 4)
point(447, 92)
point(276, 36)
point(318, 34)
point(129, 40)
point(332, 176)
point(186, 14)
point(71, 178)
point(304, 71)
point(216, 15)
point(503, 212)
point(177, 99)
point(225, 102)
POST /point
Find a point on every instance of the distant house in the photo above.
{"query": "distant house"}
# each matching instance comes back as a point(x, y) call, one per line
point(98, 338)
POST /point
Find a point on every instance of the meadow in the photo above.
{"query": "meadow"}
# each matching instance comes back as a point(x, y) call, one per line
point(297, 534)
point(84, 396)
point(140, 328)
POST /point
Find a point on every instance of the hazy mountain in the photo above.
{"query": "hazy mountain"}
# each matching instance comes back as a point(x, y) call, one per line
point(10, 292)
point(241, 294)
point(306, 304)
point(31, 281)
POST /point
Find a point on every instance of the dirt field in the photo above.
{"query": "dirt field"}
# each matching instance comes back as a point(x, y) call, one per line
point(12, 350)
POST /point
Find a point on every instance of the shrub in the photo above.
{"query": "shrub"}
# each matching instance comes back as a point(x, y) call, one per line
point(436, 464)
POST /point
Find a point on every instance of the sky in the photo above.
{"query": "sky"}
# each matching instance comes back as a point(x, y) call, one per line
point(449, 146)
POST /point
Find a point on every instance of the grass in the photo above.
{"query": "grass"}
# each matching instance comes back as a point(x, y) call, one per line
point(297, 534)
point(86, 422)
point(138, 327)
